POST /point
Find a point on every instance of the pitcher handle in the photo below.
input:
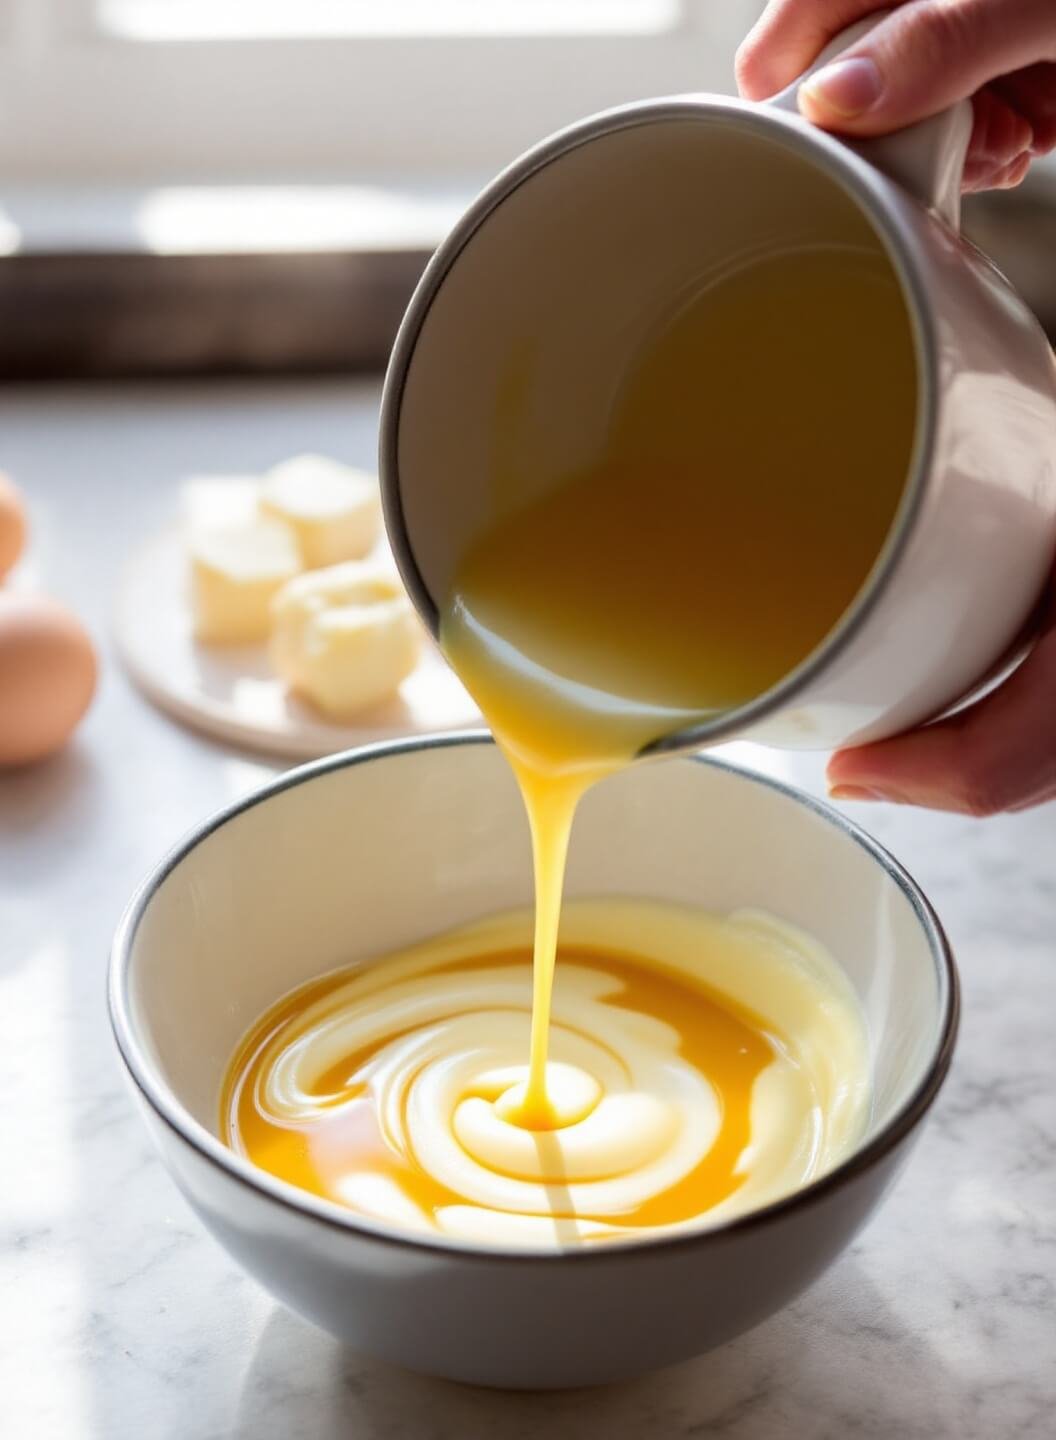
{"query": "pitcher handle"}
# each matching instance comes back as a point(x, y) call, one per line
point(927, 158)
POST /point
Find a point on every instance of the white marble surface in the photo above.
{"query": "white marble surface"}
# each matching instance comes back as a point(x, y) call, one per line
point(120, 1318)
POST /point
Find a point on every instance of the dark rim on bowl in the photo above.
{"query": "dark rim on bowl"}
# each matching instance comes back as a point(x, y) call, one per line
point(170, 1110)
point(867, 187)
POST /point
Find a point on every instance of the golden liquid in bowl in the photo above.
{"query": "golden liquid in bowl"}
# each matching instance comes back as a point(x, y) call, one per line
point(700, 1066)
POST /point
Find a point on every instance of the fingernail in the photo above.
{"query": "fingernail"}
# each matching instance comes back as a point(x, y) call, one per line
point(847, 87)
point(856, 792)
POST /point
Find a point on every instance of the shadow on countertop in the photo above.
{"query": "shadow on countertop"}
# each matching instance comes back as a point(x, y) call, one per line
point(776, 1381)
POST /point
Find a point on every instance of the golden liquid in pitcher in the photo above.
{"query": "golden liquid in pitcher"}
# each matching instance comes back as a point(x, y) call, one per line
point(755, 459)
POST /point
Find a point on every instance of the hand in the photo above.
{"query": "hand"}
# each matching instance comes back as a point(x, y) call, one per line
point(999, 754)
point(925, 56)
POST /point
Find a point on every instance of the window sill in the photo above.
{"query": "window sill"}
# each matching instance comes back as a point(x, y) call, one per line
point(288, 279)
point(212, 280)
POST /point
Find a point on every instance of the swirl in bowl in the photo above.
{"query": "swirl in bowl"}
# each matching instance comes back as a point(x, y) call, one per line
point(700, 1067)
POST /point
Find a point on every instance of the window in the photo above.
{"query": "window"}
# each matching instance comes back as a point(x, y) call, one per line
point(297, 19)
point(205, 90)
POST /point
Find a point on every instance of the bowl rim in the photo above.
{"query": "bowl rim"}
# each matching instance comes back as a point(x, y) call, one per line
point(171, 1111)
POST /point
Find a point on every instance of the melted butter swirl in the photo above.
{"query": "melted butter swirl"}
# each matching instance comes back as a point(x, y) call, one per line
point(676, 1099)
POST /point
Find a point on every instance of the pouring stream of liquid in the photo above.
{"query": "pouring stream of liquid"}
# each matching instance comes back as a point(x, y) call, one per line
point(750, 477)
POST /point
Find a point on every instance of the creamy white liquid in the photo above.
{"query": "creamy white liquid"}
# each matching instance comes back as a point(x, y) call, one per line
point(440, 1063)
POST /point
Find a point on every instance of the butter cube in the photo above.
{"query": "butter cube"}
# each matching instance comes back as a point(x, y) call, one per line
point(334, 511)
point(236, 571)
point(344, 637)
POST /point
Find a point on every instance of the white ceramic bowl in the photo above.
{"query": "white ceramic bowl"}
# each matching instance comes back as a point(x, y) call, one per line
point(363, 852)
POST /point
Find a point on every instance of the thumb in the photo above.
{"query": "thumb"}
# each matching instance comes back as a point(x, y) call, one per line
point(923, 58)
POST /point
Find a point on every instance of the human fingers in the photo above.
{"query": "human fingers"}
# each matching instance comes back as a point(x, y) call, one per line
point(999, 754)
point(787, 39)
point(1002, 138)
point(1032, 92)
point(925, 56)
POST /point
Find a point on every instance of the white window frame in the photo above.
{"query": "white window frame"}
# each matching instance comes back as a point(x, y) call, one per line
point(76, 103)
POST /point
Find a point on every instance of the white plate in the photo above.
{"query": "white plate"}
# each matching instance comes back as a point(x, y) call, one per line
point(232, 692)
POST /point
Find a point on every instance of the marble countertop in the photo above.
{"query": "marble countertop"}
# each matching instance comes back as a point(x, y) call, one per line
point(120, 1318)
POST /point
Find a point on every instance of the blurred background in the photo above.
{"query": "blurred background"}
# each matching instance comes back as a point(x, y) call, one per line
point(199, 186)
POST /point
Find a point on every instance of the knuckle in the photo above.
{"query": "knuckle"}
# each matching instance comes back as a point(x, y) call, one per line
point(984, 781)
point(943, 32)
point(980, 803)
point(762, 64)
point(750, 56)
point(1044, 134)
point(746, 61)
point(1016, 173)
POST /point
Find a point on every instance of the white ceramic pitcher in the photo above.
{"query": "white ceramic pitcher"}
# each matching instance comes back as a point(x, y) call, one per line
point(563, 260)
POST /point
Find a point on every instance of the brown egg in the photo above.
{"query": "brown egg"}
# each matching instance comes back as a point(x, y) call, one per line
point(12, 524)
point(47, 676)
